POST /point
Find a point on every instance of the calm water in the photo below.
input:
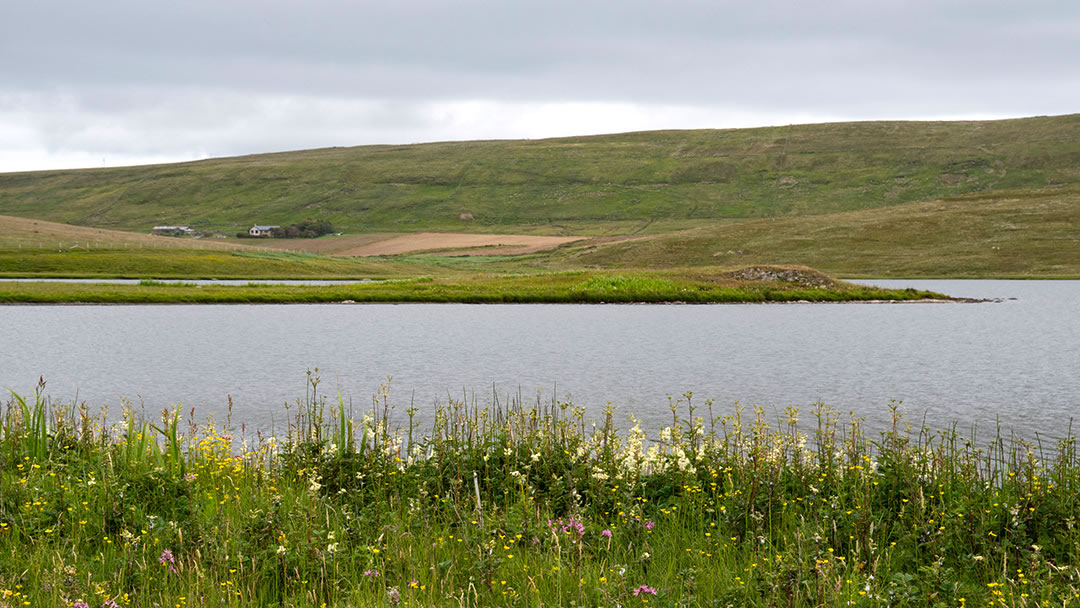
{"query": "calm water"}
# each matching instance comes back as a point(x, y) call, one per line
point(1015, 361)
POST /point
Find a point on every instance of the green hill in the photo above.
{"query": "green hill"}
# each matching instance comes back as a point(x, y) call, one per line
point(1019, 233)
point(614, 184)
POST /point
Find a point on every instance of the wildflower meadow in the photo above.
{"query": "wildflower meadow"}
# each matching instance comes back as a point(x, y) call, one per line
point(528, 505)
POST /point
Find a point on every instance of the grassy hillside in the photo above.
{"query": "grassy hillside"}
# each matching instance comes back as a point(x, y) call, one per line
point(1009, 233)
point(645, 182)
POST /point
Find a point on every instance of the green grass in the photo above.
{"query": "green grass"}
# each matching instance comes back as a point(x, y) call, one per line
point(515, 505)
point(1030, 233)
point(711, 285)
point(189, 264)
point(568, 185)
point(875, 199)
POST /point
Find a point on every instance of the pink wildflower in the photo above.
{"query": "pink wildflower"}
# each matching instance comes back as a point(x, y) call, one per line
point(649, 525)
point(606, 534)
point(167, 558)
point(571, 525)
point(371, 573)
point(644, 589)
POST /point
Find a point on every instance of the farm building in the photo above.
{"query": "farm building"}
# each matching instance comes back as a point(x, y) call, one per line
point(259, 230)
point(171, 230)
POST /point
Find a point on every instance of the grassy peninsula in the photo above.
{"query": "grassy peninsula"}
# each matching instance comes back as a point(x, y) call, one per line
point(518, 505)
point(712, 285)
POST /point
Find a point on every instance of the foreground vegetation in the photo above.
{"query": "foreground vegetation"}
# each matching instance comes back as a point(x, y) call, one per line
point(514, 505)
point(710, 285)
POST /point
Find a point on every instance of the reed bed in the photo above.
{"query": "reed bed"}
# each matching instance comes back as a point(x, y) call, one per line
point(527, 505)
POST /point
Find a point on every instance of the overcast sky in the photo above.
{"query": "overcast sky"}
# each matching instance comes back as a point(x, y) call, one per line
point(114, 82)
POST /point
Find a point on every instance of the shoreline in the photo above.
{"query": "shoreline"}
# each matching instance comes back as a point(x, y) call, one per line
point(538, 303)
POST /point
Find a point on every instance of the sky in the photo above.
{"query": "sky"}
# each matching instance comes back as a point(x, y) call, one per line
point(121, 82)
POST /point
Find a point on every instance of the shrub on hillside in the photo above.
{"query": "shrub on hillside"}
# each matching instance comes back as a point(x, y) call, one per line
point(307, 229)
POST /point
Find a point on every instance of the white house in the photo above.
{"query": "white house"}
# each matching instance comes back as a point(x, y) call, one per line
point(259, 230)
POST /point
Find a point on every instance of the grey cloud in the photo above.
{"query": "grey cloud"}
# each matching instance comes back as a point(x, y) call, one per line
point(226, 77)
point(469, 48)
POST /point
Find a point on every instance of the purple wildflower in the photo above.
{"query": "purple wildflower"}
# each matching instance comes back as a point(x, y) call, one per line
point(167, 558)
point(80, 604)
point(649, 525)
point(371, 573)
point(606, 534)
point(644, 589)
point(571, 525)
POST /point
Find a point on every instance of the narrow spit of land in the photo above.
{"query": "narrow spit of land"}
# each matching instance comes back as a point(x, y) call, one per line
point(757, 284)
point(529, 507)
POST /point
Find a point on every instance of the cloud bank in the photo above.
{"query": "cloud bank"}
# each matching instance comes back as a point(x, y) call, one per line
point(123, 81)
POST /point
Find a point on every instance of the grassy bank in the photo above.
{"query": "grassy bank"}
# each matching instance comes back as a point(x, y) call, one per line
point(1030, 233)
point(759, 284)
point(529, 506)
point(164, 263)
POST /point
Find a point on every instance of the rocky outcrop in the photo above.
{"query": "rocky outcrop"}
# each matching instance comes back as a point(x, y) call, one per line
point(800, 276)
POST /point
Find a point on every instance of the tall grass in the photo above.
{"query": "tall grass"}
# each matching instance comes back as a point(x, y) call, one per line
point(516, 504)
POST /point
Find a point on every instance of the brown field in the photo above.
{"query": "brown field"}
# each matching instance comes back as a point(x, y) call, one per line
point(506, 244)
point(327, 245)
point(17, 233)
point(22, 233)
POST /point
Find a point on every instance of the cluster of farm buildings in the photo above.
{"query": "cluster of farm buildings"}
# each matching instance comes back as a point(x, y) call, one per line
point(256, 230)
